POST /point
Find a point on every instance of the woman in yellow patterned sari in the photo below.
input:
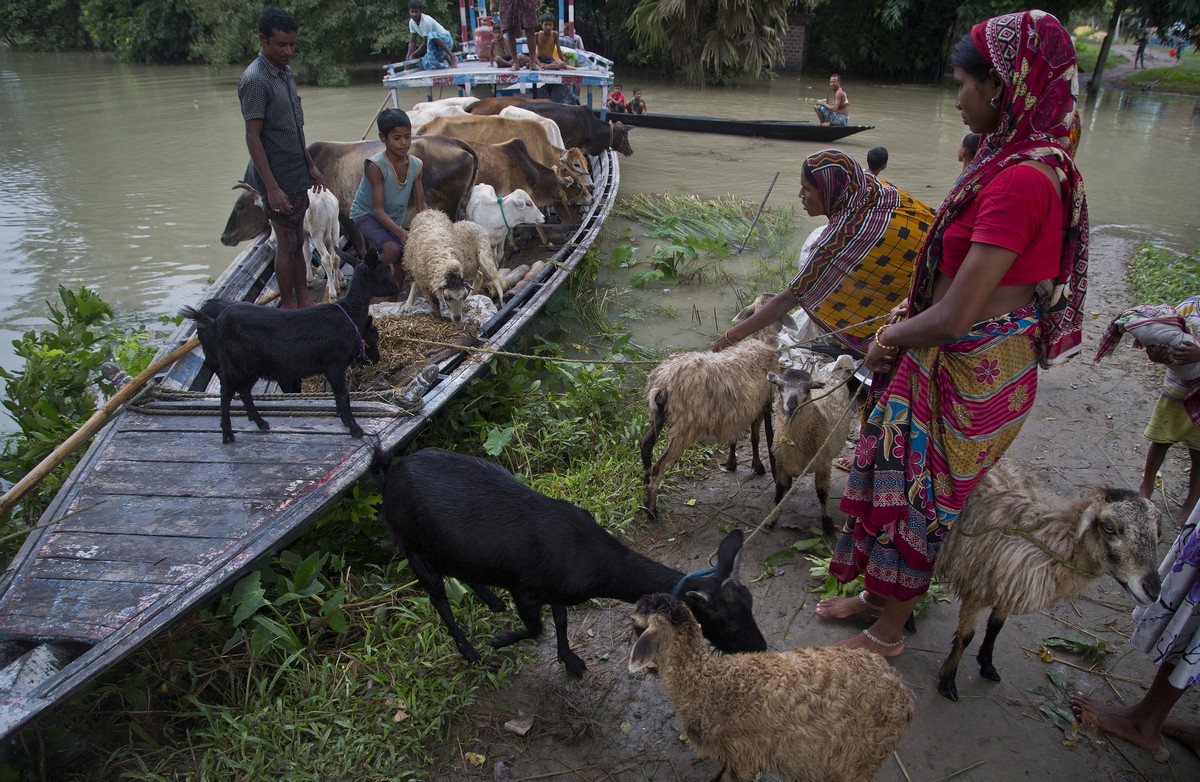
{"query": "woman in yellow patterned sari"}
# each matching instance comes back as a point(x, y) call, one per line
point(863, 263)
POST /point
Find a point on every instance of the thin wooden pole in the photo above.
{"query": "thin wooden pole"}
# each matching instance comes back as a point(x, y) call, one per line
point(388, 97)
point(759, 213)
point(97, 420)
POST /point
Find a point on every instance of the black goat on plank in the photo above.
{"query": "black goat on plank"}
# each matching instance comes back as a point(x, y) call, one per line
point(244, 342)
point(456, 515)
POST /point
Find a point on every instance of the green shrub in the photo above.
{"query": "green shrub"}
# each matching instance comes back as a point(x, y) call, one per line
point(1160, 276)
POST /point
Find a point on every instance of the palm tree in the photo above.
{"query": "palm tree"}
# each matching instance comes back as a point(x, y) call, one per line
point(714, 38)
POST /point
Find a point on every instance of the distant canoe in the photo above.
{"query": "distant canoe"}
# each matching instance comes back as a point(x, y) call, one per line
point(774, 129)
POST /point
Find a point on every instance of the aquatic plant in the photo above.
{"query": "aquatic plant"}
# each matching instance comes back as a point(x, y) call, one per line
point(1160, 276)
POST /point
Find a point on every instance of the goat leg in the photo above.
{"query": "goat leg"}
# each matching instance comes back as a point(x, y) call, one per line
point(575, 665)
point(821, 479)
point(251, 411)
point(341, 395)
point(994, 624)
point(435, 587)
point(226, 424)
point(963, 635)
point(769, 428)
point(530, 611)
point(675, 449)
point(755, 461)
point(494, 604)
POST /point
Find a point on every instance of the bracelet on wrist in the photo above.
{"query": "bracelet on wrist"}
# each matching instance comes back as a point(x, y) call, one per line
point(879, 341)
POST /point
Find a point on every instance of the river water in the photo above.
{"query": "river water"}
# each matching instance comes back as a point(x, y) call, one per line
point(118, 177)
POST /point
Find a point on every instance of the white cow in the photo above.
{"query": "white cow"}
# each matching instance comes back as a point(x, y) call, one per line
point(498, 216)
point(553, 133)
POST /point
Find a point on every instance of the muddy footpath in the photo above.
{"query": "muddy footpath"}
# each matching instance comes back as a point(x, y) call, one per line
point(1084, 431)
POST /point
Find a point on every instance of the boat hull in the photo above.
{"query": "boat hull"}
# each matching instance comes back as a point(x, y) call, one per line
point(772, 129)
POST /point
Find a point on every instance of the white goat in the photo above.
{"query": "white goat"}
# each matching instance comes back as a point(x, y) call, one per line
point(1018, 548)
point(429, 260)
point(323, 232)
point(823, 714)
point(809, 430)
point(710, 397)
point(473, 249)
point(499, 216)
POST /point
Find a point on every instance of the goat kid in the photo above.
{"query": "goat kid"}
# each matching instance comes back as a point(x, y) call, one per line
point(456, 515)
point(1018, 547)
point(244, 342)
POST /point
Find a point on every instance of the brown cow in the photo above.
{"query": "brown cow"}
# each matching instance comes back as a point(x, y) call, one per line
point(448, 174)
point(495, 105)
point(497, 130)
point(509, 166)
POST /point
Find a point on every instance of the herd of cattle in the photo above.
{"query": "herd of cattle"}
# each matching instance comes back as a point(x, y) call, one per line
point(465, 142)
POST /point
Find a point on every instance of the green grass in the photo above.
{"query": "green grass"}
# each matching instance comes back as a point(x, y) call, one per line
point(1183, 78)
point(1160, 276)
point(1087, 52)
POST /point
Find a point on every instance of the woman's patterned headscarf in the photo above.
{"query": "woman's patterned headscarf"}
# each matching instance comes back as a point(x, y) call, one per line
point(1035, 57)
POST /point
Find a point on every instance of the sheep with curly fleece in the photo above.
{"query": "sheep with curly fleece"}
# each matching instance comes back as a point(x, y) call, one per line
point(1018, 547)
point(473, 249)
point(822, 714)
point(703, 396)
point(429, 260)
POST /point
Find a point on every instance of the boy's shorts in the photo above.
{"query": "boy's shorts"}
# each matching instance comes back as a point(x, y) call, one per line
point(375, 233)
point(299, 202)
point(1170, 424)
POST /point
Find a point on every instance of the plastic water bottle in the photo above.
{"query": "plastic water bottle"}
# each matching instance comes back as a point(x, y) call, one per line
point(411, 399)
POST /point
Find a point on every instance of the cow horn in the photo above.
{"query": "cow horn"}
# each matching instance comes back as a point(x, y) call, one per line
point(244, 185)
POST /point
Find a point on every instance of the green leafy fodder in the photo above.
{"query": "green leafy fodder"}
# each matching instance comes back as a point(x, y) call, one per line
point(1160, 276)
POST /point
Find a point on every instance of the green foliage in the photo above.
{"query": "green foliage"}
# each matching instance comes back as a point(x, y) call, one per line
point(56, 389)
point(1090, 651)
point(145, 31)
point(1086, 53)
point(713, 40)
point(50, 25)
point(1160, 276)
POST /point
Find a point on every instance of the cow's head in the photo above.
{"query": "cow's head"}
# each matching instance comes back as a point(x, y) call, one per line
point(578, 162)
point(619, 138)
point(247, 220)
point(571, 188)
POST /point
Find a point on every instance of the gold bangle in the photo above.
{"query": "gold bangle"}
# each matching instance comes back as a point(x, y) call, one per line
point(880, 342)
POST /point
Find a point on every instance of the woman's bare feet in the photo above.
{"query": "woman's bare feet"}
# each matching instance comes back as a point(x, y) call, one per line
point(1119, 721)
point(1186, 732)
point(883, 647)
point(846, 607)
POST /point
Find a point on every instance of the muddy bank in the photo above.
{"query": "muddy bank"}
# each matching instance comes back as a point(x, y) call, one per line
point(1085, 430)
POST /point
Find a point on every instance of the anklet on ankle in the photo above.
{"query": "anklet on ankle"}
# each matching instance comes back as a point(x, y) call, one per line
point(884, 644)
point(862, 596)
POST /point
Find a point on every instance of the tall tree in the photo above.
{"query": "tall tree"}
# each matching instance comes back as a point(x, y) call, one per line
point(713, 39)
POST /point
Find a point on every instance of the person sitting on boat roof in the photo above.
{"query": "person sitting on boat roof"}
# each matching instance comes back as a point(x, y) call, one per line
point(838, 112)
point(391, 179)
point(548, 53)
point(437, 49)
point(616, 99)
point(638, 104)
point(502, 57)
point(877, 158)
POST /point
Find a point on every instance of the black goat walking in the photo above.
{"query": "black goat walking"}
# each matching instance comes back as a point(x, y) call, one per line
point(244, 342)
point(455, 515)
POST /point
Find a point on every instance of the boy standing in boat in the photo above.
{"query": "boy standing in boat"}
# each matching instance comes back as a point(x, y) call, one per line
point(280, 166)
point(837, 112)
point(390, 179)
point(437, 49)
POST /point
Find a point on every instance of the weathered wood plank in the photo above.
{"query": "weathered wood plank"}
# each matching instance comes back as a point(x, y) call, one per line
point(241, 426)
point(143, 549)
point(219, 479)
point(197, 517)
point(88, 611)
point(285, 447)
point(161, 572)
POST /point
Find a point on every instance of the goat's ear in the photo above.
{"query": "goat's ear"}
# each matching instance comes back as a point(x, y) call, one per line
point(773, 378)
point(645, 650)
point(787, 320)
point(1086, 520)
point(816, 384)
point(728, 555)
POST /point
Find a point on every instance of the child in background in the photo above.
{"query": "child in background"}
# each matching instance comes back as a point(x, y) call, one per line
point(877, 159)
point(638, 104)
point(437, 50)
point(1170, 423)
point(390, 179)
point(967, 150)
point(548, 53)
point(616, 99)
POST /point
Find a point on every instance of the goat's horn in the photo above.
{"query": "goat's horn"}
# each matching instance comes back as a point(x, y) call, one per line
point(243, 185)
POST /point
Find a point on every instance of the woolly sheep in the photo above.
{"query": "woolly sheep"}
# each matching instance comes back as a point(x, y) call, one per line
point(823, 714)
point(1018, 548)
point(710, 397)
point(809, 430)
point(473, 249)
point(429, 260)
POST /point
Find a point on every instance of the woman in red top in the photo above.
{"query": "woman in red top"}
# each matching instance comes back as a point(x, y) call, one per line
point(997, 290)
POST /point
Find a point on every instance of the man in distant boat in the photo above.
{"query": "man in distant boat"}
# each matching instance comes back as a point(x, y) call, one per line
point(280, 166)
point(838, 112)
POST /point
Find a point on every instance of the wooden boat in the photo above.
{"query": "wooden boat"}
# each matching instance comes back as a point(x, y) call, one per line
point(773, 129)
point(160, 517)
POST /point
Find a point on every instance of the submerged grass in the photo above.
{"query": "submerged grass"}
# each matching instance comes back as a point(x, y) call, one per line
point(1160, 276)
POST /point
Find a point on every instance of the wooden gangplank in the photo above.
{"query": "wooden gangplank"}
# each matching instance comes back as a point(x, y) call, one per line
point(159, 517)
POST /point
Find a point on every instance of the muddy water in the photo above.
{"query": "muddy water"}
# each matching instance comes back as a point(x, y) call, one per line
point(118, 177)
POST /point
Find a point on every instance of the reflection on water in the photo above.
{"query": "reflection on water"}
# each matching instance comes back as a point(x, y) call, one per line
point(118, 176)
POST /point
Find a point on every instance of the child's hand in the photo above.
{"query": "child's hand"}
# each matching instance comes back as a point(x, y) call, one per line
point(1185, 354)
point(1159, 354)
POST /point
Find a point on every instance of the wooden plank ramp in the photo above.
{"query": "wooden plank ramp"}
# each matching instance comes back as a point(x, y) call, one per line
point(160, 517)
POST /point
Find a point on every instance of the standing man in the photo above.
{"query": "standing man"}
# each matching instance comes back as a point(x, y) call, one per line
point(517, 16)
point(838, 112)
point(1140, 57)
point(280, 167)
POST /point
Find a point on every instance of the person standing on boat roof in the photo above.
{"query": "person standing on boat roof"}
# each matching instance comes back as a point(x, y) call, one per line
point(437, 49)
point(838, 112)
point(391, 180)
point(517, 16)
point(280, 167)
